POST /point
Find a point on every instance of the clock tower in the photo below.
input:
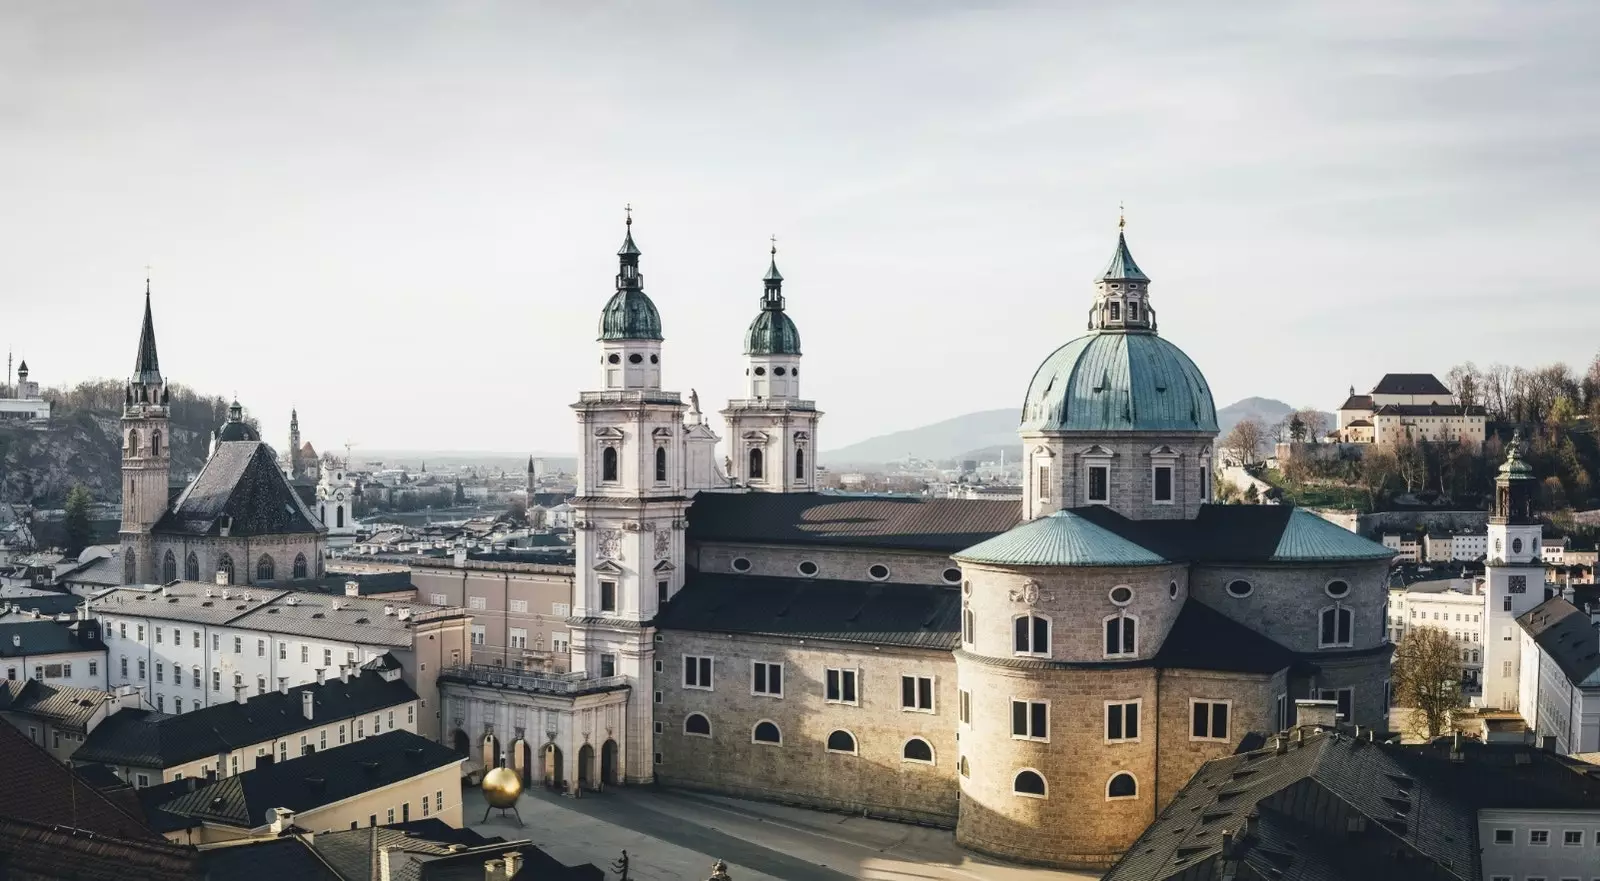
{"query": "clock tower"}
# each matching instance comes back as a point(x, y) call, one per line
point(335, 498)
point(1513, 577)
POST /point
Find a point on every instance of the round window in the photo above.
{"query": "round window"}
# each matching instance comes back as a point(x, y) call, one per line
point(655, 359)
point(741, 564)
point(636, 358)
point(761, 371)
point(806, 568)
point(613, 358)
point(1337, 588)
point(966, 588)
point(1172, 590)
point(1516, 546)
point(778, 371)
point(878, 571)
point(952, 575)
point(1240, 588)
point(795, 371)
point(1121, 595)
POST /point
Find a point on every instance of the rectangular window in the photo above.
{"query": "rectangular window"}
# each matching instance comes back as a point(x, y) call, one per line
point(94, 668)
point(261, 648)
point(696, 672)
point(438, 599)
point(916, 693)
point(322, 739)
point(341, 734)
point(1162, 484)
point(608, 665)
point(968, 625)
point(197, 639)
point(158, 636)
point(216, 642)
point(1122, 721)
point(1099, 484)
point(1030, 720)
point(1043, 487)
point(1208, 720)
point(519, 638)
point(327, 659)
point(238, 645)
point(766, 679)
point(840, 686)
point(964, 698)
point(1345, 698)
point(141, 633)
point(1504, 836)
point(559, 643)
point(1539, 836)
point(480, 633)
point(123, 664)
point(661, 593)
point(519, 606)
point(608, 596)
point(1572, 838)
point(216, 680)
point(122, 630)
point(479, 603)
point(160, 670)
point(39, 671)
point(560, 610)
point(411, 714)
point(283, 651)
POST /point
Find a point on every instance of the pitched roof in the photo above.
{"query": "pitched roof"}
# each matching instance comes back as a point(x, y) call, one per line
point(1203, 638)
point(41, 850)
point(40, 789)
point(64, 707)
point(1060, 539)
point(946, 525)
point(1410, 384)
point(352, 852)
point(300, 613)
point(47, 636)
point(1242, 534)
point(1357, 402)
point(152, 740)
point(914, 615)
point(1431, 410)
point(241, 487)
point(270, 859)
point(1565, 633)
point(147, 366)
point(312, 781)
point(1505, 776)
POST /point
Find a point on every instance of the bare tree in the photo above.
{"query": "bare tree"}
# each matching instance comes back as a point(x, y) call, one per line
point(1497, 392)
point(1467, 383)
point(1427, 680)
point(1315, 422)
point(1280, 431)
point(1246, 438)
point(1378, 467)
point(1411, 464)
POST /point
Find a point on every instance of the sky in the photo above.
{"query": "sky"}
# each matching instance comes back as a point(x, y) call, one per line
point(402, 217)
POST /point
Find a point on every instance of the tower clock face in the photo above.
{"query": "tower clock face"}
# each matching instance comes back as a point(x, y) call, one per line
point(340, 497)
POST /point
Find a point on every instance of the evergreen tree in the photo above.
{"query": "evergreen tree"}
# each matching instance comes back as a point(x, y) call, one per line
point(76, 524)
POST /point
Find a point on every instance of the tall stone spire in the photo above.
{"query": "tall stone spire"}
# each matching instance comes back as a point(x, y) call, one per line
point(147, 368)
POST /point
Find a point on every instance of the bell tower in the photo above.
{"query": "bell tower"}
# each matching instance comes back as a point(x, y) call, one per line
point(1513, 577)
point(630, 507)
point(146, 457)
point(772, 432)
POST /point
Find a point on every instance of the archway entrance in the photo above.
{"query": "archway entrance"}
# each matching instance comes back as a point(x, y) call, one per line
point(491, 753)
point(554, 773)
point(459, 742)
point(586, 766)
point(608, 762)
point(522, 762)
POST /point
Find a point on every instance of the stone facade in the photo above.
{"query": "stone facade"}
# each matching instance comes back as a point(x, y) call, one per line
point(1057, 475)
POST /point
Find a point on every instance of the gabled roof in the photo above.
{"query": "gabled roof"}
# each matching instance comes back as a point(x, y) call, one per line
point(914, 615)
point(313, 781)
point(1060, 539)
point(1565, 633)
point(152, 740)
point(241, 487)
point(64, 707)
point(271, 859)
point(1203, 638)
point(356, 853)
point(45, 636)
point(946, 525)
point(1410, 384)
point(1357, 402)
point(1242, 534)
point(40, 789)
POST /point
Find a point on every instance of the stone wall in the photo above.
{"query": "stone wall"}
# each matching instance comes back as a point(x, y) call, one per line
point(1132, 457)
point(1286, 599)
point(1076, 601)
point(877, 780)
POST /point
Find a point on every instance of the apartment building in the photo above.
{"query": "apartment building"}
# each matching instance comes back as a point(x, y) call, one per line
point(519, 610)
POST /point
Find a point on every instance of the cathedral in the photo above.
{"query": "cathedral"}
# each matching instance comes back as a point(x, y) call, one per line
point(238, 521)
point(1041, 678)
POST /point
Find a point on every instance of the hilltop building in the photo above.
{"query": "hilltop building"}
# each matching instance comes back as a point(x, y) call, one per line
point(1409, 407)
point(25, 403)
point(1041, 677)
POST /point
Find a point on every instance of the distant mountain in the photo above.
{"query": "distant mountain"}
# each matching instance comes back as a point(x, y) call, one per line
point(1267, 410)
point(950, 439)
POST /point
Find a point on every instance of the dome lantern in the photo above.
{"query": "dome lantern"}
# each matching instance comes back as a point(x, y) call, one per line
point(772, 332)
point(629, 314)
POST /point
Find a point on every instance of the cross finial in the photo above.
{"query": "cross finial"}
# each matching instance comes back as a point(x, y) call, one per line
point(1122, 217)
point(774, 240)
point(628, 209)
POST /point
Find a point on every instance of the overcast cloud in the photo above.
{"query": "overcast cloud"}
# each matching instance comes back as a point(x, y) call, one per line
point(401, 217)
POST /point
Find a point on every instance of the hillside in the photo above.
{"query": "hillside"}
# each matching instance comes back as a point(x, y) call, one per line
point(950, 439)
point(83, 445)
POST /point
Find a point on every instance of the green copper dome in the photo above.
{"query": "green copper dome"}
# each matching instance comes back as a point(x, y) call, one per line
point(1119, 381)
point(772, 332)
point(629, 314)
point(1060, 539)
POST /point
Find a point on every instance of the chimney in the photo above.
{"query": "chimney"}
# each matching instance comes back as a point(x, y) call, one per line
point(513, 860)
point(240, 693)
point(1317, 713)
point(282, 819)
point(321, 672)
point(344, 673)
point(1227, 844)
point(283, 685)
point(388, 609)
point(308, 703)
point(1280, 744)
point(386, 859)
point(494, 870)
point(163, 590)
point(352, 588)
point(1456, 755)
point(1548, 743)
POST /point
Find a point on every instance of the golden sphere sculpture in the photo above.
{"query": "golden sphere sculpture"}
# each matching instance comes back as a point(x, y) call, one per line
point(501, 787)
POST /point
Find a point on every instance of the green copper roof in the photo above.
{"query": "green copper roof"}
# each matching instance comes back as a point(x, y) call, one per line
point(1061, 539)
point(1514, 468)
point(1119, 381)
point(629, 314)
point(1122, 266)
point(1307, 537)
point(772, 333)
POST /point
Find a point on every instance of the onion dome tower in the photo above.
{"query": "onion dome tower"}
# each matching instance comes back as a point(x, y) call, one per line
point(630, 326)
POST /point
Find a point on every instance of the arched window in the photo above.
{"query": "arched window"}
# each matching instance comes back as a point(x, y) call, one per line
point(799, 464)
point(299, 570)
point(969, 625)
point(1122, 785)
point(133, 442)
point(265, 571)
point(1031, 635)
point(177, 705)
point(755, 464)
point(169, 568)
point(338, 513)
point(766, 732)
point(322, 514)
point(1336, 624)
point(130, 567)
point(191, 567)
point(842, 741)
point(225, 566)
point(963, 767)
point(155, 442)
point(697, 724)
point(917, 750)
point(1122, 635)
point(608, 464)
point(1030, 783)
point(195, 678)
point(661, 464)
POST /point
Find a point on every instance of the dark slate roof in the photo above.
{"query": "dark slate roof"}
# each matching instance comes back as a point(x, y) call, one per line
point(915, 615)
point(351, 852)
point(1265, 799)
point(151, 740)
point(42, 850)
point(1357, 402)
point(946, 525)
point(48, 605)
point(1242, 534)
point(240, 481)
point(1410, 384)
point(549, 499)
point(64, 707)
point(1431, 410)
point(312, 781)
point(45, 636)
point(1121, 265)
point(40, 789)
point(269, 859)
point(1358, 423)
point(147, 365)
point(1204, 639)
point(469, 866)
point(1505, 776)
point(1565, 634)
